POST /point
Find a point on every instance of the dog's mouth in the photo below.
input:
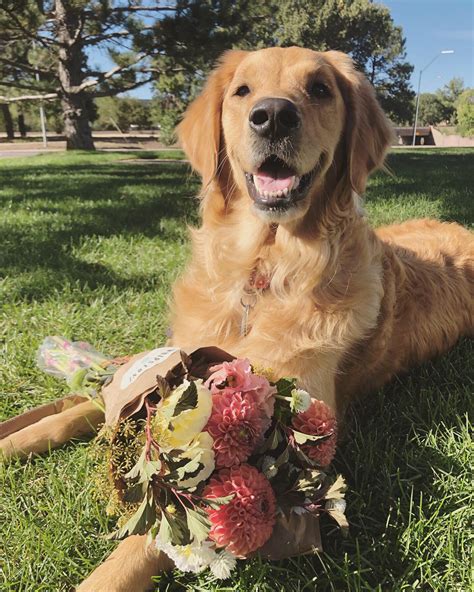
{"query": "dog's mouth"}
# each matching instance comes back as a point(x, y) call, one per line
point(275, 186)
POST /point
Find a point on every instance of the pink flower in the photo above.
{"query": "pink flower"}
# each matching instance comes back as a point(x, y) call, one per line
point(318, 420)
point(236, 426)
point(246, 522)
point(237, 376)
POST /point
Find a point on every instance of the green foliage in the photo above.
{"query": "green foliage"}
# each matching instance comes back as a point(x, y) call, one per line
point(431, 110)
point(359, 27)
point(123, 112)
point(465, 113)
point(188, 400)
point(448, 96)
point(90, 245)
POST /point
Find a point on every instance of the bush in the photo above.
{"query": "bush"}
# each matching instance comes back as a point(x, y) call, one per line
point(465, 113)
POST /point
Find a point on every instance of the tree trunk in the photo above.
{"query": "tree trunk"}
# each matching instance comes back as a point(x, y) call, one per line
point(8, 121)
point(77, 128)
point(72, 59)
point(21, 125)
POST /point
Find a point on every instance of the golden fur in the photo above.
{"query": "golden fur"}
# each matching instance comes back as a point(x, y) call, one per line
point(347, 308)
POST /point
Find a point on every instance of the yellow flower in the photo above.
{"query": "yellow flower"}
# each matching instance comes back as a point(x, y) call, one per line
point(178, 431)
point(199, 451)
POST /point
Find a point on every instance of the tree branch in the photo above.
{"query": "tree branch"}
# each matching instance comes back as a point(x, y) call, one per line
point(46, 97)
point(104, 77)
point(46, 42)
point(27, 67)
point(22, 85)
point(113, 92)
point(93, 39)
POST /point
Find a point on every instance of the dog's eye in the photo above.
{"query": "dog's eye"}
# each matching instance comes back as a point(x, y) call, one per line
point(320, 90)
point(242, 91)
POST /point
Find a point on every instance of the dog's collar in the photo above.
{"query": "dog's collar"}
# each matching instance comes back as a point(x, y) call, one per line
point(257, 283)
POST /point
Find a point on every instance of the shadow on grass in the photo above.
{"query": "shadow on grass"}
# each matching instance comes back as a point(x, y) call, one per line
point(51, 211)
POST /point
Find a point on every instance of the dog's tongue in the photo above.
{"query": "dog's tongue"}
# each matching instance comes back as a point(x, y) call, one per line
point(265, 182)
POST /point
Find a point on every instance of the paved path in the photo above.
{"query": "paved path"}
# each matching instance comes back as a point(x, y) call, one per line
point(25, 152)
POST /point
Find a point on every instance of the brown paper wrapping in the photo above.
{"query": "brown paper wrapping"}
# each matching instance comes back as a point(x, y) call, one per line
point(136, 379)
point(293, 535)
point(15, 424)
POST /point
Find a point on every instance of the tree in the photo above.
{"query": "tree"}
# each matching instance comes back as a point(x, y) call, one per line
point(359, 27)
point(465, 112)
point(431, 110)
point(52, 39)
point(448, 96)
point(362, 29)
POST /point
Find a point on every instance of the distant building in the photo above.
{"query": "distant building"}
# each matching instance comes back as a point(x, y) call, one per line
point(424, 136)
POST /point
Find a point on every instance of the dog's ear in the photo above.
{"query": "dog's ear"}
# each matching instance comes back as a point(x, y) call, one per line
point(200, 130)
point(368, 132)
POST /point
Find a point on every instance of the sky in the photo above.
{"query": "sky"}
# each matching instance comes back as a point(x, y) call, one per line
point(429, 27)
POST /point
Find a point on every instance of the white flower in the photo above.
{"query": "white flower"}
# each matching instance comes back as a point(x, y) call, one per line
point(194, 557)
point(223, 565)
point(300, 400)
point(336, 504)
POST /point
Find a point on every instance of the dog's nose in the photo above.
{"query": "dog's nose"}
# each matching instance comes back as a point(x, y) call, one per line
point(274, 118)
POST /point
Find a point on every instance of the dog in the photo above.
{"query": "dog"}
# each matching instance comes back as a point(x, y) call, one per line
point(285, 269)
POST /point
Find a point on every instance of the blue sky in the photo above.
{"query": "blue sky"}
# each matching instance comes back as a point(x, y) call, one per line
point(429, 27)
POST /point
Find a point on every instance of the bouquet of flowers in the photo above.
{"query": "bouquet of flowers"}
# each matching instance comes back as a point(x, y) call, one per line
point(215, 459)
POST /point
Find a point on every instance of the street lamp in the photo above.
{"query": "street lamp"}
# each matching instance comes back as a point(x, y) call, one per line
point(444, 51)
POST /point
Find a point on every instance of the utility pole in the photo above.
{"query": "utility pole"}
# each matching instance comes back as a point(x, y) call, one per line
point(444, 51)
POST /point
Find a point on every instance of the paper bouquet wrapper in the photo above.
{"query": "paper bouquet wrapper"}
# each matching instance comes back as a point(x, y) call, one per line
point(295, 534)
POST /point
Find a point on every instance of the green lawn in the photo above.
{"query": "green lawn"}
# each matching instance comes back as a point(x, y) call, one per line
point(89, 247)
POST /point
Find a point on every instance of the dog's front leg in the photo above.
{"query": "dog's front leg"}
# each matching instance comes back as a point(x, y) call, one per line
point(53, 431)
point(128, 569)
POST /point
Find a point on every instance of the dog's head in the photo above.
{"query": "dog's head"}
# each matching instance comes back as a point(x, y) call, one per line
point(282, 119)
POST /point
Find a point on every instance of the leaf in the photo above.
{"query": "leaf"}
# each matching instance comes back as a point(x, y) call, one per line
point(271, 441)
point(284, 386)
point(216, 502)
point(150, 468)
point(138, 467)
point(135, 493)
point(188, 400)
point(77, 379)
point(151, 535)
point(301, 438)
point(337, 489)
point(165, 532)
point(311, 484)
point(340, 518)
point(162, 387)
point(140, 522)
point(198, 524)
point(144, 469)
point(270, 467)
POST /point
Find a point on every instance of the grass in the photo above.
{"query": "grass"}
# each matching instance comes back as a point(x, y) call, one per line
point(89, 248)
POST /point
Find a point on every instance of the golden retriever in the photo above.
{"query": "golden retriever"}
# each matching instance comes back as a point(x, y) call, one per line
point(285, 140)
point(285, 268)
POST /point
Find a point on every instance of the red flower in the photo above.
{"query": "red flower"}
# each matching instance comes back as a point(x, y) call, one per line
point(318, 420)
point(236, 426)
point(237, 377)
point(246, 522)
